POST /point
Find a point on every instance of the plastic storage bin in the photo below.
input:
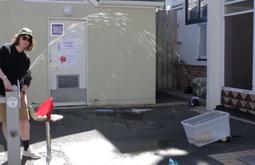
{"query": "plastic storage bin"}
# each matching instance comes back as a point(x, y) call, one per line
point(207, 127)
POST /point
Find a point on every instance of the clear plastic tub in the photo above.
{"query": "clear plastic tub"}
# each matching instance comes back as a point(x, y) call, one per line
point(207, 128)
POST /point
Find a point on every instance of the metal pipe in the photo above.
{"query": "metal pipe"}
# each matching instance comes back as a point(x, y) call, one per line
point(48, 141)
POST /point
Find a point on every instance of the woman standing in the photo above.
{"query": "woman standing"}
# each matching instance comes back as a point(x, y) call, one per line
point(14, 65)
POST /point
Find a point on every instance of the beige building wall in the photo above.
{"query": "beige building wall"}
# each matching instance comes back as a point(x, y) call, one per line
point(121, 49)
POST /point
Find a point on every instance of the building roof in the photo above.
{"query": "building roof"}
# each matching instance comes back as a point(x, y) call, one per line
point(133, 3)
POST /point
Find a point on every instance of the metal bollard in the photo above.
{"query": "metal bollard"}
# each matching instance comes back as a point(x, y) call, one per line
point(13, 128)
point(49, 159)
point(48, 142)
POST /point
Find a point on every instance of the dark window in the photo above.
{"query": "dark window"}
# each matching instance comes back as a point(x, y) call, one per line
point(196, 11)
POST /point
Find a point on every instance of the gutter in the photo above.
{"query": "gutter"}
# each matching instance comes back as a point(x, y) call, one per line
point(132, 4)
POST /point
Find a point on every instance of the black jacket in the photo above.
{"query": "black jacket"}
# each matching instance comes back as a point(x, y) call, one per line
point(15, 66)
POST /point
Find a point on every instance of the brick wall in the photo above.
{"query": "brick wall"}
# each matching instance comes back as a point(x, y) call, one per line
point(185, 73)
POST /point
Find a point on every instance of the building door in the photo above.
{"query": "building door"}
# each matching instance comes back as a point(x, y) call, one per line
point(239, 51)
point(67, 49)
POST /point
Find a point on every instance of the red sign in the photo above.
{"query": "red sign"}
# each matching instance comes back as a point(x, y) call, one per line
point(62, 59)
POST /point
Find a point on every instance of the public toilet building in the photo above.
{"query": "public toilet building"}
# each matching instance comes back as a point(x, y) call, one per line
point(87, 52)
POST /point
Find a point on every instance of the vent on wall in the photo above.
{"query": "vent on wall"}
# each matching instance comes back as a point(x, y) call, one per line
point(68, 81)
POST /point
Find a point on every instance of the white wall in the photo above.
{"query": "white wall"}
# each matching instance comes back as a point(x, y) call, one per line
point(188, 48)
point(177, 2)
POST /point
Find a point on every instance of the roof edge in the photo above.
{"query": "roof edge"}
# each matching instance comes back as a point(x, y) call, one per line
point(134, 4)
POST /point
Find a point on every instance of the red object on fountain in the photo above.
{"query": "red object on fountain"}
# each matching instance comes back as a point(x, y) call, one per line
point(45, 108)
point(43, 113)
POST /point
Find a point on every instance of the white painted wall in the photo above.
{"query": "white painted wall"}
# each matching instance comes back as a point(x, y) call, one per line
point(177, 2)
point(188, 48)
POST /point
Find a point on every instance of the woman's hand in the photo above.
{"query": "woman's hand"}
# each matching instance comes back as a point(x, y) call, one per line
point(7, 84)
point(24, 89)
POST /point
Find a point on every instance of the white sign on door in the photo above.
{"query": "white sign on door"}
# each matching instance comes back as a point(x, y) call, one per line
point(69, 51)
point(57, 29)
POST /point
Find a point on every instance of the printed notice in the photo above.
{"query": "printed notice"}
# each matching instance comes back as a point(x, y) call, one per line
point(57, 29)
point(69, 51)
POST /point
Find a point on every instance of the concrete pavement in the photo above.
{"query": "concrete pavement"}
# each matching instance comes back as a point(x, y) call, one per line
point(122, 136)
